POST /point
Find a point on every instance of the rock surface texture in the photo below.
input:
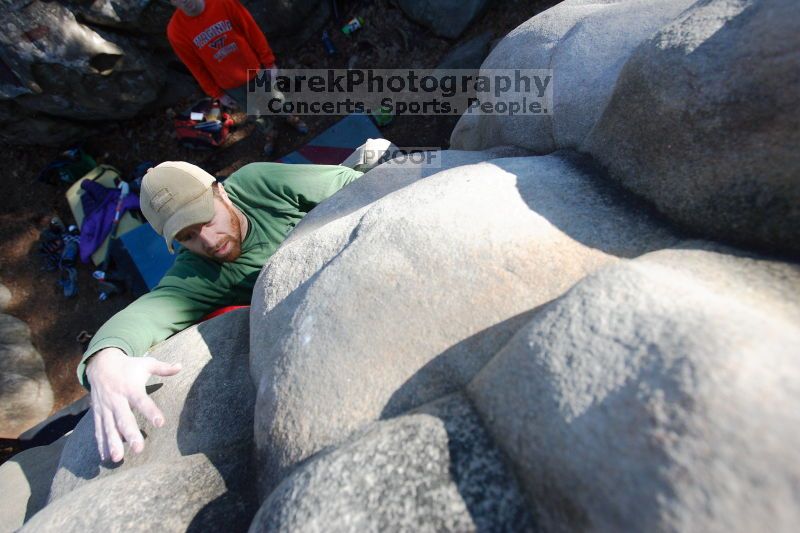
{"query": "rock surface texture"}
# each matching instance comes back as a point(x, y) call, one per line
point(715, 148)
point(658, 394)
point(489, 340)
point(206, 444)
point(69, 65)
point(282, 17)
point(469, 54)
point(25, 483)
point(25, 394)
point(66, 69)
point(155, 497)
point(135, 16)
point(401, 474)
point(446, 18)
point(585, 43)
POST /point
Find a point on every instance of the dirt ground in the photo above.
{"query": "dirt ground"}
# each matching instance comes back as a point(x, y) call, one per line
point(388, 40)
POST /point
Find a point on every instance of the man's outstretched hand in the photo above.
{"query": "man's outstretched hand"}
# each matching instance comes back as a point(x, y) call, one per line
point(118, 385)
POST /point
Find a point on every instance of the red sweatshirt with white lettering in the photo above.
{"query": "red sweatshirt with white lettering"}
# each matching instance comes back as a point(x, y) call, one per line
point(219, 45)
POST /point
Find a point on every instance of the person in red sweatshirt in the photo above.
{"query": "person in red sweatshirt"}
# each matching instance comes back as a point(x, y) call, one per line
point(223, 47)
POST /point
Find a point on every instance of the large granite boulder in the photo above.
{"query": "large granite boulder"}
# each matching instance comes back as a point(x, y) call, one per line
point(405, 299)
point(62, 68)
point(25, 393)
point(431, 470)
point(660, 394)
point(208, 407)
point(195, 472)
point(705, 122)
point(134, 16)
point(585, 43)
point(446, 18)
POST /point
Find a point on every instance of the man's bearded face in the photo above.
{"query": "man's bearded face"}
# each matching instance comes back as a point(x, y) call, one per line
point(219, 239)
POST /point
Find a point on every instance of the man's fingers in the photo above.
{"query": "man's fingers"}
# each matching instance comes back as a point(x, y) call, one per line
point(145, 405)
point(160, 368)
point(99, 435)
point(113, 440)
point(127, 426)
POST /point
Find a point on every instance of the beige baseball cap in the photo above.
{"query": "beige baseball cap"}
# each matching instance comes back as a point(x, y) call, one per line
point(176, 195)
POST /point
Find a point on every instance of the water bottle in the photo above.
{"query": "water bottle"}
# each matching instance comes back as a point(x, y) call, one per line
point(215, 112)
point(354, 24)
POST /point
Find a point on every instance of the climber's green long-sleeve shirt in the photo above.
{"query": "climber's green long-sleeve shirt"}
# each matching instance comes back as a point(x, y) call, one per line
point(274, 197)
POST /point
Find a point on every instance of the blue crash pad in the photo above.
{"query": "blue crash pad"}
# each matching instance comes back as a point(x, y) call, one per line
point(333, 145)
point(142, 255)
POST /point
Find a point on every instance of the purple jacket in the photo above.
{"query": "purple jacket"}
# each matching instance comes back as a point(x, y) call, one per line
point(99, 204)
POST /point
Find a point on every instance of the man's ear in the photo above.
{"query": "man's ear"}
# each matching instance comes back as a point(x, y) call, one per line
point(221, 191)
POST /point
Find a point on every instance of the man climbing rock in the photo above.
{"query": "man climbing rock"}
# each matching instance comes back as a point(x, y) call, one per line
point(223, 47)
point(227, 233)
